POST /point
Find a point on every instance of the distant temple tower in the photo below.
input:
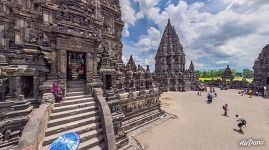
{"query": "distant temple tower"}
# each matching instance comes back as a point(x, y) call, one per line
point(228, 74)
point(170, 72)
point(170, 57)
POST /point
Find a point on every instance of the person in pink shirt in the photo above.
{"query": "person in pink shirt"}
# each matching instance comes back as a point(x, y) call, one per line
point(56, 90)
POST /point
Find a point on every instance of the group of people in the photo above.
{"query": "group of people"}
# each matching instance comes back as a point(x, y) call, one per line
point(80, 70)
point(244, 92)
point(241, 121)
point(212, 93)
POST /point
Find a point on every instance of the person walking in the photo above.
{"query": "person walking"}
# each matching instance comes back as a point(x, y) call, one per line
point(241, 122)
point(209, 98)
point(225, 108)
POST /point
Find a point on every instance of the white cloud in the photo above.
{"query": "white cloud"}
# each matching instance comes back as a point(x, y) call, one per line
point(151, 40)
point(213, 33)
point(128, 16)
point(222, 31)
point(222, 62)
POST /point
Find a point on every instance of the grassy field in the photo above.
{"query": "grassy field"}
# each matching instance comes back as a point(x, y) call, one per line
point(235, 79)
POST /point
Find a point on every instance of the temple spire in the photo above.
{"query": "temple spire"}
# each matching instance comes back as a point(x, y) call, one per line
point(131, 62)
point(170, 56)
point(191, 66)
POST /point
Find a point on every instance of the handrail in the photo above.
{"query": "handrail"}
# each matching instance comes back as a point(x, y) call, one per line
point(34, 131)
point(106, 119)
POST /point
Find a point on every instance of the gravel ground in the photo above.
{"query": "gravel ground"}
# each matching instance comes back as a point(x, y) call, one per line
point(202, 126)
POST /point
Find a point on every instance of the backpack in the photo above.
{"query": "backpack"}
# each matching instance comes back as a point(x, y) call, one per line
point(244, 121)
point(223, 107)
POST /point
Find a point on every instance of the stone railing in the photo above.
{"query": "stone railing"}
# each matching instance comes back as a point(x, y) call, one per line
point(106, 119)
point(34, 131)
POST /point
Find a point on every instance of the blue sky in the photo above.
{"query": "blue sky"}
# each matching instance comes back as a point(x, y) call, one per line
point(214, 33)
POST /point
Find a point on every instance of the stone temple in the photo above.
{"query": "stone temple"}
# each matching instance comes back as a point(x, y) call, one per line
point(78, 44)
point(170, 70)
point(261, 72)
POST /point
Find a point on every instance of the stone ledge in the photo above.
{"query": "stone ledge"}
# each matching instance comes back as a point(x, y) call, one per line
point(106, 119)
point(34, 131)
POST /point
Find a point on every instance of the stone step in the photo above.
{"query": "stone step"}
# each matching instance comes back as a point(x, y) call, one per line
point(100, 146)
point(146, 114)
point(72, 112)
point(141, 125)
point(72, 118)
point(123, 144)
point(83, 129)
point(141, 122)
point(80, 89)
point(71, 125)
point(75, 85)
point(75, 101)
point(6, 145)
point(140, 113)
point(75, 97)
point(69, 94)
point(89, 144)
point(76, 82)
point(72, 107)
point(90, 135)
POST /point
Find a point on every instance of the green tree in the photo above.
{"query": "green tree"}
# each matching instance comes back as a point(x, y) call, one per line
point(247, 73)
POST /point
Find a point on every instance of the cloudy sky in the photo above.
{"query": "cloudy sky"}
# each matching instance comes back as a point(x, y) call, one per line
point(214, 33)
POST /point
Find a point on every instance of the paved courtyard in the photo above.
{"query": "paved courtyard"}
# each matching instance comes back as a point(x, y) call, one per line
point(202, 126)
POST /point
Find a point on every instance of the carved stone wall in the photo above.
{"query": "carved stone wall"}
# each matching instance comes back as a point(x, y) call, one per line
point(36, 36)
point(261, 72)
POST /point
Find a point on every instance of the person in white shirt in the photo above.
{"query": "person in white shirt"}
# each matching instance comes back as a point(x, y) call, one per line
point(241, 122)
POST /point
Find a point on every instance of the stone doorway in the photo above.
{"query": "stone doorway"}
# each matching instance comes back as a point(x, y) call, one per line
point(108, 82)
point(27, 86)
point(76, 66)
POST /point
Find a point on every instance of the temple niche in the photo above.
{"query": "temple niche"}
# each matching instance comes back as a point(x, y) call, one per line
point(261, 72)
point(170, 70)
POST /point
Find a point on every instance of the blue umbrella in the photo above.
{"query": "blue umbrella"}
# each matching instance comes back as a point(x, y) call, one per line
point(68, 141)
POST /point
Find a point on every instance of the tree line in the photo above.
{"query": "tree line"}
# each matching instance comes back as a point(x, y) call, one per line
point(245, 73)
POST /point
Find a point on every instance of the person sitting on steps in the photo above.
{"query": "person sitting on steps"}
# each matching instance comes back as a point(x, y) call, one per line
point(56, 90)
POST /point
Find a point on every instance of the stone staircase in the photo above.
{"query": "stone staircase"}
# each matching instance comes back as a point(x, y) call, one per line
point(78, 113)
point(75, 66)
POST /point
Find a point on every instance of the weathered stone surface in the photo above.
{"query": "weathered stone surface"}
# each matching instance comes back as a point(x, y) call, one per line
point(170, 72)
point(48, 98)
point(34, 130)
point(261, 72)
point(13, 118)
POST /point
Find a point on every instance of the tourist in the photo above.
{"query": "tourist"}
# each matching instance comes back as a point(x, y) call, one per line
point(225, 108)
point(209, 97)
point(81, 73)
point(250, 92)
point(56, 90)
point(241, 122)
point(81, 62)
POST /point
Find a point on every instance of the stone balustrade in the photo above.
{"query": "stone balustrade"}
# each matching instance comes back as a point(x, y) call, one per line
point(106, 119)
